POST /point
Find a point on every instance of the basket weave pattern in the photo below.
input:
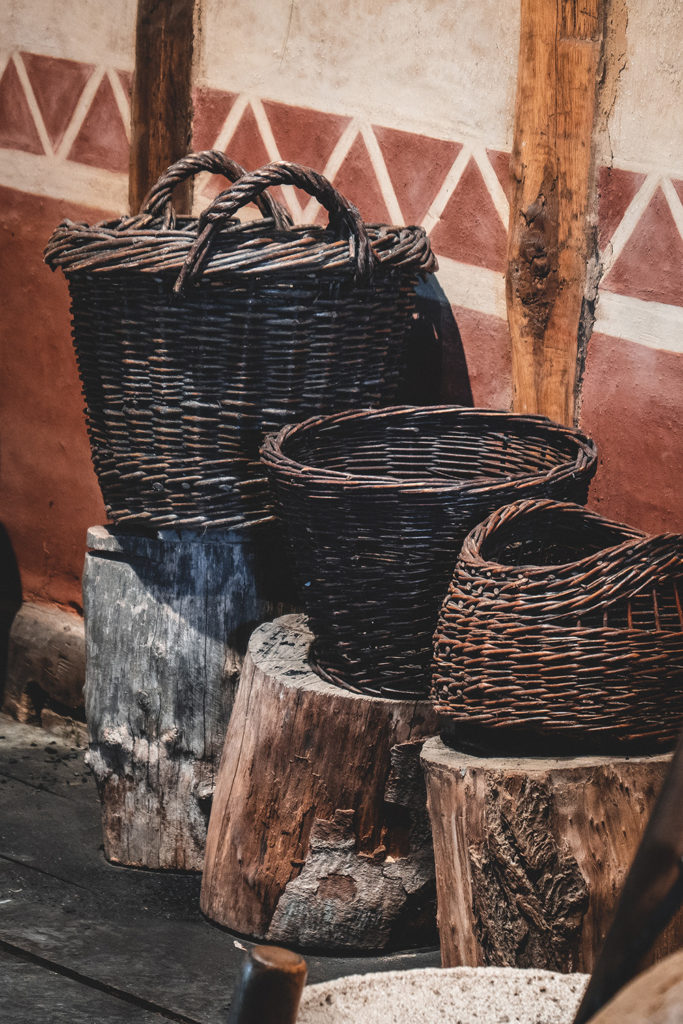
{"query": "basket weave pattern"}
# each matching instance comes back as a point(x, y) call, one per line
point(194, 338)
point(560, 625)
point(376, 505)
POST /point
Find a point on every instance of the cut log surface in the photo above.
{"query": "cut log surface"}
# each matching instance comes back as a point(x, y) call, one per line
point(531, 854)
point(167, 623)
point(319, 836)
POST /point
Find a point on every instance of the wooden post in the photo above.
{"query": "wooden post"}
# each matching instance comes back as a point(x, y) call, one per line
point(549, 241)
point(531, 854)
point(162, 96)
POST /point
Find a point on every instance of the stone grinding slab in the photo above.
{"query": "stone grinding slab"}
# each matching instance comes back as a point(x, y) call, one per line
point(456, 995)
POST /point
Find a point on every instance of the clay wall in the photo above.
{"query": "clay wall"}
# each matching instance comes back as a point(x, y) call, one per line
point(408, 107)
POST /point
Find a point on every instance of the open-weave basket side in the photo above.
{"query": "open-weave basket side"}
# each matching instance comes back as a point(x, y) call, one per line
point(590, 649)
point(376, 505)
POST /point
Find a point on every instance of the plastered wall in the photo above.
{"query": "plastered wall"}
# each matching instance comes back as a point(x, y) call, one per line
point(65, 73)
point(632, 388)
point(408, 107)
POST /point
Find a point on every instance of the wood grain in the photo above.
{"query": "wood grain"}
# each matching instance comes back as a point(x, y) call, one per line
point(319, 835)
point(161, 110)
point(531, 854)
point(167, 623)
point(550, 239)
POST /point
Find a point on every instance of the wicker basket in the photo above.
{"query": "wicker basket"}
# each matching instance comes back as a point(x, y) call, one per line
point(377, 504)
point(181, 382)
point(561, 631)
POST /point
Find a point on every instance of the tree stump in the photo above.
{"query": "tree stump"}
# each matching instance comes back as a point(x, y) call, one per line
point(319, 835)
point(167, 622)
point(531, 854)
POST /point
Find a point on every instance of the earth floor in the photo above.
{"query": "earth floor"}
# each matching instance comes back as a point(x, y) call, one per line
point(82, 941)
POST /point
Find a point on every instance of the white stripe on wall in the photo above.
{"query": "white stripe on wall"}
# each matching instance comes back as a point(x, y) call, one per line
point(653, 324)
point(72, 182)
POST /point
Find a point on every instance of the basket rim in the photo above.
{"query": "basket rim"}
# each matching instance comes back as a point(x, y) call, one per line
point(276, 460)
point(143, 244)
point(470, 553)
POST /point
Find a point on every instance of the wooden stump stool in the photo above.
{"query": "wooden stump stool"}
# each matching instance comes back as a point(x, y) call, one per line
point(531, 853)
point(167, 622)
point(319, 836)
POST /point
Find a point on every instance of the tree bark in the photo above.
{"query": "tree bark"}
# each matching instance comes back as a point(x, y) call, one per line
point(167, 622)
point(319, 835)
point(531, 854)
point(550, 237)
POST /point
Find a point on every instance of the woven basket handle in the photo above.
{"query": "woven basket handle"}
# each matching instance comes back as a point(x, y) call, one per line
point(344, 217)
point(158, 199)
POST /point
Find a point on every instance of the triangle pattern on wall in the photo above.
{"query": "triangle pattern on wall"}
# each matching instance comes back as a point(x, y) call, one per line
point(102, 141)
point(417, 166)
point(469, 229)
point(356, 179)
point(17, 127)
point(211, 107)
point(650, 266)
point(246, 147)
point(500, 161)
point(304, 136)
point(57, 86)
point(616, 189)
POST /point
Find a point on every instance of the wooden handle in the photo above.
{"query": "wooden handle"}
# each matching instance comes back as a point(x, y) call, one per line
point(158, 199)
point(344, 217)
point(269, 988)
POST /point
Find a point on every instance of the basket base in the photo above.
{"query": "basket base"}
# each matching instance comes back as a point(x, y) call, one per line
point(510, 742)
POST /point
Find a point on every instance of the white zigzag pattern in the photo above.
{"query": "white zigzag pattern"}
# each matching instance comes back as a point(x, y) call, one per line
point(52, 174)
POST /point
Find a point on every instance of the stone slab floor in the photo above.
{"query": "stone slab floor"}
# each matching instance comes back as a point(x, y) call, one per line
point(83, 941)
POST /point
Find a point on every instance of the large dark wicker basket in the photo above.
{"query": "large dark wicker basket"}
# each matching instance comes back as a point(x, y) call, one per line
point(377, 504)
point(561, 630)
point(194, 338)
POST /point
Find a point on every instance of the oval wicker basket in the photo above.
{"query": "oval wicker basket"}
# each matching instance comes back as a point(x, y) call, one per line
point(563, 631)
point(196, 337)
point(377, 504)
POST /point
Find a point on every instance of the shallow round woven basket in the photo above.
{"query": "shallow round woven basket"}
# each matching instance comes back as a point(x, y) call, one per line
point(377, 504)
point(561, 630)
point(195, 337)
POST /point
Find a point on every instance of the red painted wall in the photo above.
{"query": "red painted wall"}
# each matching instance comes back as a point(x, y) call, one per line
point(48, 491)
